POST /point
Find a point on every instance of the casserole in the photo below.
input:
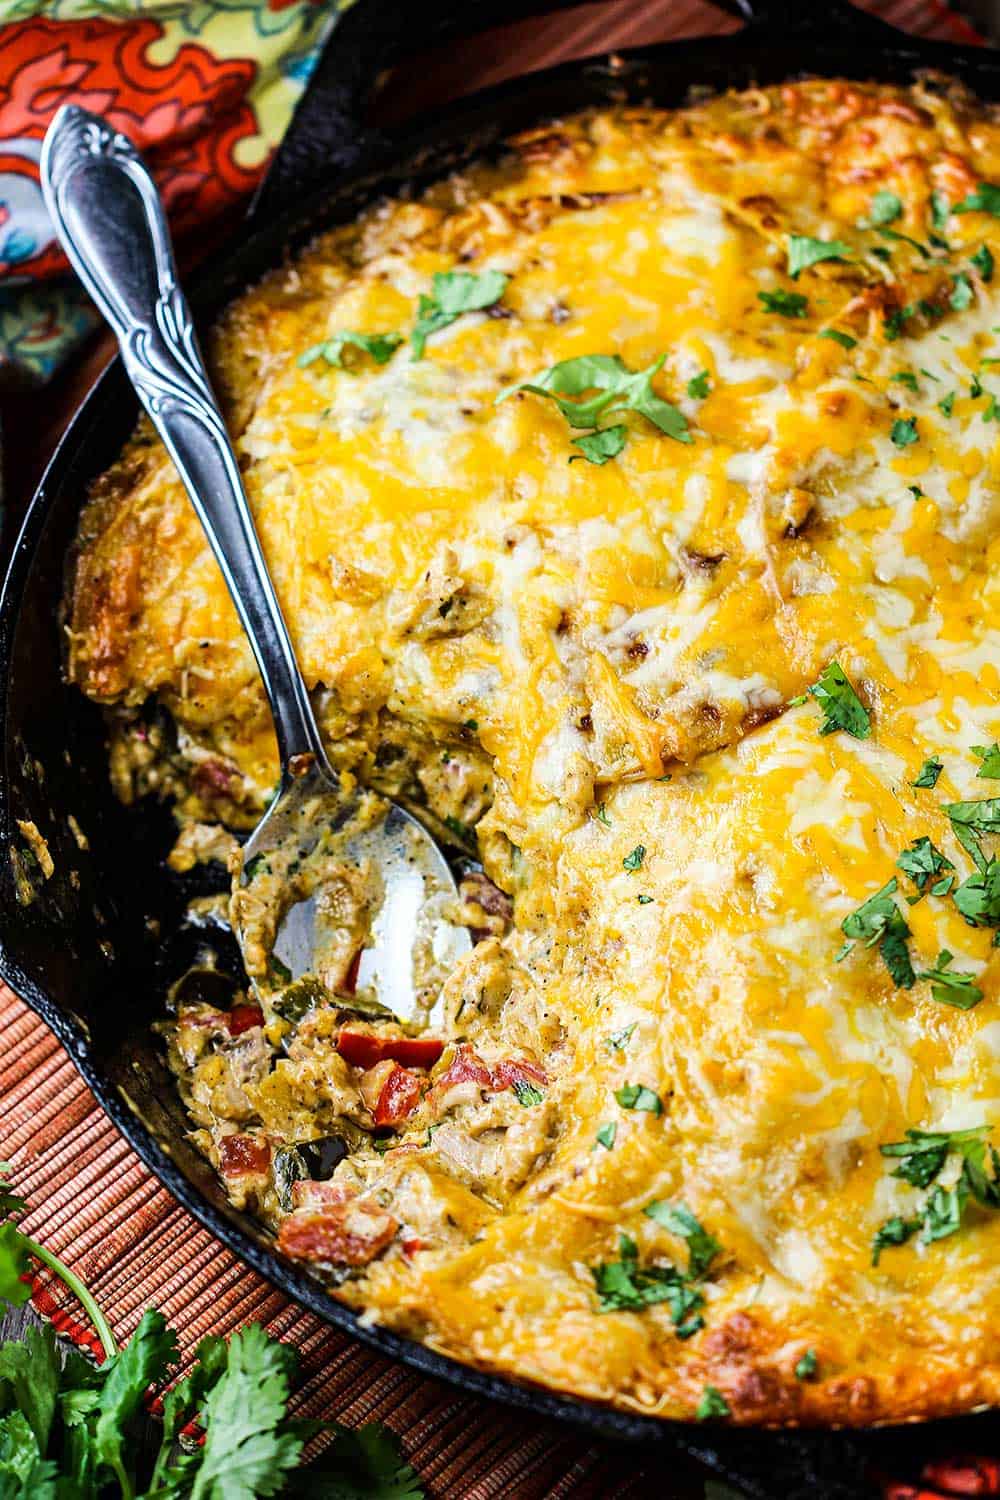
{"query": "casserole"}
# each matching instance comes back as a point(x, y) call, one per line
point(34, 915)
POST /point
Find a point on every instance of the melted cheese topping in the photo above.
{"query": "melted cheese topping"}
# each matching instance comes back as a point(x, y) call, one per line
point(628, 637)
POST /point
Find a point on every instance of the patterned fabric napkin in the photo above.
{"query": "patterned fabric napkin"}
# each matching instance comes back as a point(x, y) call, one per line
point(205, 88)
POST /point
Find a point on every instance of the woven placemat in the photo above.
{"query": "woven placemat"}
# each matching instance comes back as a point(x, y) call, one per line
point(96, 1205)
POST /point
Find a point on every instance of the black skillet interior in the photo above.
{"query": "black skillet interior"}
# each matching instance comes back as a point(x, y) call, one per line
point(92, 949)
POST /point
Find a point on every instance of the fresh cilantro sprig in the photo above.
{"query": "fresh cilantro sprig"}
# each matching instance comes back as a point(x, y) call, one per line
point(454, 293)
point(878, 922)
point(804, 251)
point(924, 863)
point(702, 1246)
point(379, 346)
point(66, 1425)
point(592, 386)
point(623, 1285)
point(842, 708)
point(922, 1157)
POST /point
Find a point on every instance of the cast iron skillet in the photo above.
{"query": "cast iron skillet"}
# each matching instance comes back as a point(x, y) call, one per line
point(93, 951)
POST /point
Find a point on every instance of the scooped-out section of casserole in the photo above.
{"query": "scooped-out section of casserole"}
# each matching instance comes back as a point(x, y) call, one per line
point(633, 504)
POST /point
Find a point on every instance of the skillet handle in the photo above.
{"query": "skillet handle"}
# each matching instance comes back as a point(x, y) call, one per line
point(827, 21)
point(110, 221)
point(329, 134)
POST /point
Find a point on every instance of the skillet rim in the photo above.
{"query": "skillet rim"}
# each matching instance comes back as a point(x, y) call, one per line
point(214, 285)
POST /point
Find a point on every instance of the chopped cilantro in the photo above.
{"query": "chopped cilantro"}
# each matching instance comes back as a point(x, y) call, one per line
point(623, 1286)
point(892, 323)
point(904, 432)
point(949, 987)
point(638, 1096)
point(879, 922)
point(975, 388)
point(885, 208)
point(924, 1152)
point(456, 826)
point(989, 755)
point(907, 378)
point(619, 1040)
point(526, 1093)
point(644, 900)
point(894, 234)
point(702, 1246)
point(940, 211)
point(712, 1404)
point(454, 293)
point(992, 411)
point(380, 346)
point(699, 386)
point(601, 815)
point(633, 861)
point(839, 337)
point(895, 1231)
point(922, 861)
point(786, 304)
point(598, 447)
point(962, 295)
point(978, 897)
point(968, 819)
point(842, 708)
point(983, 262)
point(618, 389)
point(804, 251)
point(985, 200)
point(605, 1136)
point(947, 404)
point(805, 1367)
point(929, 773)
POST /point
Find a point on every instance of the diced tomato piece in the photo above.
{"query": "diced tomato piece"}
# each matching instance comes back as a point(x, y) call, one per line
point(243, 1155)
point(506, 1074)
point(242, 1017)
point(464, 1067)
point(363, 1049)
point(411, 1246)
point(340, 1234)
point(310, 1194)
point(399, 1097)
point(965, 1476)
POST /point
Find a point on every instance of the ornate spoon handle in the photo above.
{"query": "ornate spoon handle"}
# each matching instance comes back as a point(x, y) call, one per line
point(109, 219)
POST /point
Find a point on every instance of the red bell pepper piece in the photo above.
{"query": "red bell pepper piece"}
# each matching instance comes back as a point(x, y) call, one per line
point(243, 1155)
point(363, 1049)
point(399, 1097)
point(242, 1017)
point(506, 1074)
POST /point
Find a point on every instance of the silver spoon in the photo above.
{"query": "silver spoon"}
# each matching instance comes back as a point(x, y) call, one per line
point(110, 222)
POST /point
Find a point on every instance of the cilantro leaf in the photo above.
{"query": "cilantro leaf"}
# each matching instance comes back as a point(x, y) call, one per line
point(598, 447)
point(623, 1286)
point(246, 1452)
point(839, 337)
point(618, 389)
point(699, 386)
point(368, 1466)
point(978, 897)
point(605, 1135)
point(633, 861)
point(14, 1263)
point(950, 988)
point(380, 346)
point(638, 1096)
point(879, 922)
point(895, 1231)
point(947, 404)
point(968, 819)
point(30, 1370)
point(922, 861)
point(983, 262)
point(985, 200)
point(842, 708)
point(904, 432)
point(962, 295)
point(907, 378)
point(990, 758)
point(526, 1093)
point(805, 1367)
point(713, 1404)
point(923, 1153)
point(940, 211)
point(942, 1214)
point(144, 1361)
point(929, 773)
point(885, 208)
point(454, 293)
point(785, 304)
point(804, 251)
point(11, 1203)
point(702, 1246)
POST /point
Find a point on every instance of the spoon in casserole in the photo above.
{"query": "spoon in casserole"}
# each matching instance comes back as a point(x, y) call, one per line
point(331, 872)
